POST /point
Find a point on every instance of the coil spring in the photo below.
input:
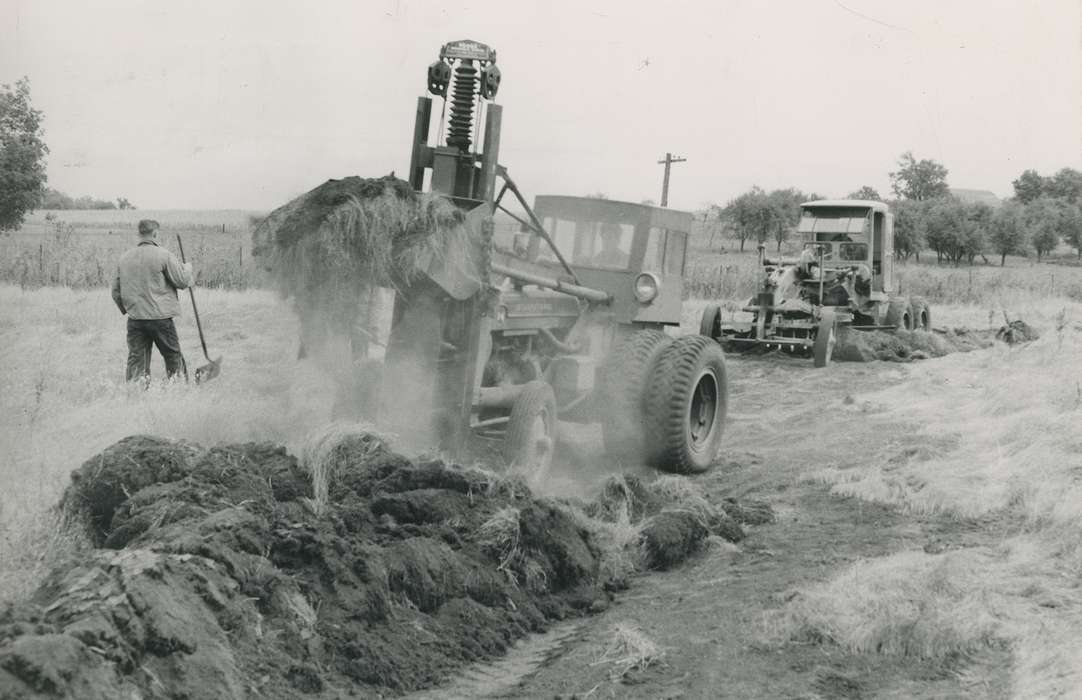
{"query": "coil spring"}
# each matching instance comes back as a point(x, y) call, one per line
point(462, 101)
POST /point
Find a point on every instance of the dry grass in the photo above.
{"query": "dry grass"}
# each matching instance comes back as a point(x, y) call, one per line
point(629, 649)
point(317, 452)
point(499, 535)
point(991, 435)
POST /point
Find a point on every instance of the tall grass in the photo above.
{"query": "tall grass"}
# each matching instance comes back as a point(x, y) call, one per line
point(68, 250)
point(993, 438)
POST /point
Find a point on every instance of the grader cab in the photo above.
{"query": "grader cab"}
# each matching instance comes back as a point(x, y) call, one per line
point(842, 280)
point(497, 341)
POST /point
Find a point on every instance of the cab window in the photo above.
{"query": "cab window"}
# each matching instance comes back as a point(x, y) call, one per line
point(605, 245)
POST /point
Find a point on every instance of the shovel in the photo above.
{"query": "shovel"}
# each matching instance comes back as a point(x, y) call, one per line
point(213, 367)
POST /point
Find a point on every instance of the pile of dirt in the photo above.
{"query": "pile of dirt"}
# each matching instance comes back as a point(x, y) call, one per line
point(222, 573)
point(906, 346)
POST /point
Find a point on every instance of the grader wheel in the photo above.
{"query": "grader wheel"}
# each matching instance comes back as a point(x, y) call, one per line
point(710, 324)
point(922, 314)
point(530, 440)
point(685, 405)
point(900, 315)
point(625, 378)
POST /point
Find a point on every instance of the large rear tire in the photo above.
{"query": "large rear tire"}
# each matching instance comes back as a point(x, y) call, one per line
point(922, 314)
point(826, 336)
point(623, 388)
point(686, 404)
point(530, 440)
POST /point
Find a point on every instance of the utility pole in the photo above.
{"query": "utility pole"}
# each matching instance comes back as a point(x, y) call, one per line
point(669, 160)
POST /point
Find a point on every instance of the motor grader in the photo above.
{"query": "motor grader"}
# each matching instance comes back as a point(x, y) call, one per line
point(843, 280)
point(500, 339)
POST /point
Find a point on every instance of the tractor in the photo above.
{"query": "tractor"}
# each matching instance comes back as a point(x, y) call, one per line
point(563, 319)
point(843, 280)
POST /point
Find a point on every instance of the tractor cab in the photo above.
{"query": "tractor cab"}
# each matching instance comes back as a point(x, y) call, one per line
point(634, 252)
point(850, 234)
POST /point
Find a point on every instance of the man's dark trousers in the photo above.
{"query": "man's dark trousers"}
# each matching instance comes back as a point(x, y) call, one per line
point(142, 334)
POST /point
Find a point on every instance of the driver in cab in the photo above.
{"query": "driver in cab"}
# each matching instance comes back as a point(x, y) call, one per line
point(610, 255)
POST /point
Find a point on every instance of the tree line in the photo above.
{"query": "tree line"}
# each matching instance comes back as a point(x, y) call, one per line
point(1043, 211)
point(54, 199)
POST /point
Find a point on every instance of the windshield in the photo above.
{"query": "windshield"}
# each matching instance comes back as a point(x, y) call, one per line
point(605, 245)
point(836, 222)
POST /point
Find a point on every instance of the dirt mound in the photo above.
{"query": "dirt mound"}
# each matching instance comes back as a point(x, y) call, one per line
point(220, 573)
point(906, 346)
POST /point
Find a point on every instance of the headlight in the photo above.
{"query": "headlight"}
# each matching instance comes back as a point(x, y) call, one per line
point(501, 313)
point(646, 286)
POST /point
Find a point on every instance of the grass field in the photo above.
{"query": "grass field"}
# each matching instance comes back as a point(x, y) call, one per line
point(79, 249)
point(995, 436)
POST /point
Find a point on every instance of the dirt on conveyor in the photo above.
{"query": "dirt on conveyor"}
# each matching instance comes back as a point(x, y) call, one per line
point(220, 573)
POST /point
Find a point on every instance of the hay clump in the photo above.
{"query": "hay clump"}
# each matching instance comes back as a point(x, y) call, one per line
point(330, 248)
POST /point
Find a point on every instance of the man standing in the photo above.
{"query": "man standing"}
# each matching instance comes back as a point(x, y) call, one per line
point(145, 289)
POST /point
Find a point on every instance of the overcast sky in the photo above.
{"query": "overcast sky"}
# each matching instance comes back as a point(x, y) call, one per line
point(245, 104)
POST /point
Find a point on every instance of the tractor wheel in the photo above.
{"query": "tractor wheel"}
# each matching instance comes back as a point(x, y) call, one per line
point(622, 390)
point(710, 325)
point(922, 314)
point(685, 405)
point(900, 315)
point(826, 336)
point(530, 440)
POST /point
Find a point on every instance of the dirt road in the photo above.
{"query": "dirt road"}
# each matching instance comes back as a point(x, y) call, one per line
point(712, 616)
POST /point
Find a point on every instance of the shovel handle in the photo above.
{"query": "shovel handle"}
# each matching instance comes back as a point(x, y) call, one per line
point(195, 309)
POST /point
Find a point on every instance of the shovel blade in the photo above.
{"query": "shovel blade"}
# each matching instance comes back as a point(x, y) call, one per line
point(208, 371)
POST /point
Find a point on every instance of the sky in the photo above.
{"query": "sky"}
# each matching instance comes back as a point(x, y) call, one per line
point(244, 104)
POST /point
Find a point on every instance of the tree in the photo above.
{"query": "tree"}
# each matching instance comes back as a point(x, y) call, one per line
point(1007, 234)
point(22, 155)
point(1043, 219)
point(866, 192)
point(123, 203)
point(786, 212)
point(1065, 184)
point(1029, 186)
point(920, 180)
point(750, 216)
point(1071, 222)
point(909, 228)
point(956, 230)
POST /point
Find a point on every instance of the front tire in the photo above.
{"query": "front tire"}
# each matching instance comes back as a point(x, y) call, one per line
point(623, 388)
point(686, 404)
point(530, 440)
